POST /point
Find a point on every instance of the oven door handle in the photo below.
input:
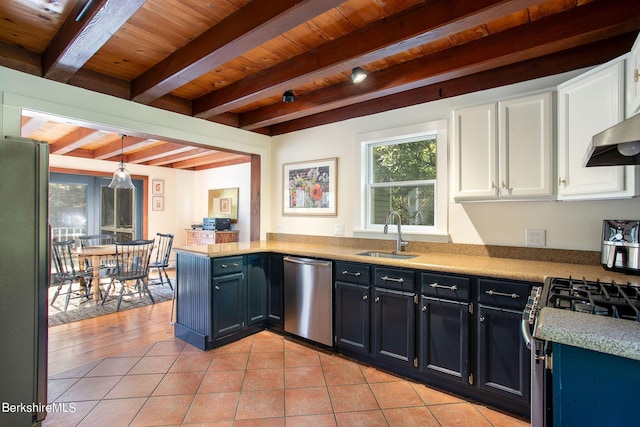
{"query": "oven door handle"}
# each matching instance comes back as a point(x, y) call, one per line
point(526, 333)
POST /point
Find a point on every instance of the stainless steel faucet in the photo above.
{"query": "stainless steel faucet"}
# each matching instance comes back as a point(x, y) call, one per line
point(400, 243)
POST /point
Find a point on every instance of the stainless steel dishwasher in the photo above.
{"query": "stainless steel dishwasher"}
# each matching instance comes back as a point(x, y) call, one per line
point(308, 307)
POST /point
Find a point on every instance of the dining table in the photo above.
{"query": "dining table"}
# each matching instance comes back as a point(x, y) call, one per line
point(96, 255)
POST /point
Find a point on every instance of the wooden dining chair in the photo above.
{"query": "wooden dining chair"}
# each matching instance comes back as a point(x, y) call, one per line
point(132, 264)
point(161, 261)
point(88, 241)
point(68, 273)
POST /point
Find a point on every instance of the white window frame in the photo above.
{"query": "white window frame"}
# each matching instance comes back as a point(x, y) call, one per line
point(439, 128)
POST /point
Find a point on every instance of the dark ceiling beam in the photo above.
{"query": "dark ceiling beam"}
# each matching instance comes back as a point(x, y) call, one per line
point(409, 29)
point(504, 48)
point(87, 28)
point(573, 59)
point(240, 32)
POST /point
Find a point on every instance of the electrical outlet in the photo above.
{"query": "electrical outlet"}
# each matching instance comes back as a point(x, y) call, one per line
point(339, 230)
point(536, 237)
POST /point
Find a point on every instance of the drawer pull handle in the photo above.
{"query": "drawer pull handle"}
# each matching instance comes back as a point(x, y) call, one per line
point(451, 288)
point(348, 273)
point(502, 294)
point(235, 264)
point(392, 279)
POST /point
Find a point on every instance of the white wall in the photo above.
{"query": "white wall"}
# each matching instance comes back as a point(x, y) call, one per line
point(569, 225)
point(183, 189)
point(237, 176)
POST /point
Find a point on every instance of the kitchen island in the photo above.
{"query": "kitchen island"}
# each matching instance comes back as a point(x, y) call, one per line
point(455, 318)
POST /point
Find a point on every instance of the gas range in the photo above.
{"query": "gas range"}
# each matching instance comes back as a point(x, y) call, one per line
point(602, 298)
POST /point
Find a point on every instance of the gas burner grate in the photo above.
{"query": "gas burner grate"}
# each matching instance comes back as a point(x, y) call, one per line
point(601, 298)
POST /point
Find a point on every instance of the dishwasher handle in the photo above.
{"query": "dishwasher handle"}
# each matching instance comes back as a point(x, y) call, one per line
point(307, 261)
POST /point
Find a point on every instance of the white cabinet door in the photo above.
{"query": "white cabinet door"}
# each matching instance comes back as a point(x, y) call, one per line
point(588, 105)
point(633, 79)
point(525, 144)
point(475, 152)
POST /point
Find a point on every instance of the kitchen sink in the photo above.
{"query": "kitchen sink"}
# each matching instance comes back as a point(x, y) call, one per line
point(386, 255)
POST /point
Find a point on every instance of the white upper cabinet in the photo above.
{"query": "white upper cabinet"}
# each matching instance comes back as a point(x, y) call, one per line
point(587, 105)
point(475, 152)
point(504, 150)
point(633, 79)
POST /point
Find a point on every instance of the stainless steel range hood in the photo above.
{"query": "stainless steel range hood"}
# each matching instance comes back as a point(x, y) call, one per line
point(618, 145)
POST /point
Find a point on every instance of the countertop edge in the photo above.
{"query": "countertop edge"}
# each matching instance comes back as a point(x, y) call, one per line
point(584, 330)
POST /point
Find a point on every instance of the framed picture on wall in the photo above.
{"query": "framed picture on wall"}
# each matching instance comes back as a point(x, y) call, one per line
point(310, 188)
point(157, 187)
point(158, 203)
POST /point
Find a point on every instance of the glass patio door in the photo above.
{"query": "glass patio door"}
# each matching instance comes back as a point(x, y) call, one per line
point(84, 204)
point(117, 213)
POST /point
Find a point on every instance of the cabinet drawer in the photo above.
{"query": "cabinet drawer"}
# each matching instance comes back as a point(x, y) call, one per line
point(353, 273)
point(227, 265)
point(395, 278)
point(503, 293)
point(443, 286)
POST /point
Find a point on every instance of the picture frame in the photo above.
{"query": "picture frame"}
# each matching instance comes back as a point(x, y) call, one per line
point(223, 203)
point(310, 188)
point(157, 203)
point(157, 187)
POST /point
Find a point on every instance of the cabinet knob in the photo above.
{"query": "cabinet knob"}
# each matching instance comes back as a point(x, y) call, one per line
point(561, 181)
point(377, 299)
point(424, 308)
point(482, 318)
point(217, 288)
point(636, 75)
point(504, 186)
point(364, 298)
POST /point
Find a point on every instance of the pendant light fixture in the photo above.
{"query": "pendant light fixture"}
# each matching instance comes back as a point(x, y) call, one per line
point(122, 177)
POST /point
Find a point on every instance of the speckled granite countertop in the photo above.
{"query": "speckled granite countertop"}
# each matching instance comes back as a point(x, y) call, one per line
point(613, 336)
point(604, 334)
point(506, 268)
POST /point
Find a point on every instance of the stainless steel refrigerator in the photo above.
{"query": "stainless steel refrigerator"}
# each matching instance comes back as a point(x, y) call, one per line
point(24, 280)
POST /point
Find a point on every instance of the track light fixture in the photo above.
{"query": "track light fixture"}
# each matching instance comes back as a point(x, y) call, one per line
point(358, 75)
point(288, 96)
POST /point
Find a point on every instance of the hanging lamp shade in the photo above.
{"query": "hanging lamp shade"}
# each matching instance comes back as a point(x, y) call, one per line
point(122, 177)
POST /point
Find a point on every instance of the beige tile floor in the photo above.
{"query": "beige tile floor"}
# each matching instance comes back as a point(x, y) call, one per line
point(262, 380)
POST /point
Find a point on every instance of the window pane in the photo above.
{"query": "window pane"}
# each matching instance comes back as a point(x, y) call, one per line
point(415, 204)
point(107, 218)
point(68, 210)
point(125, 208)
point(409, 161)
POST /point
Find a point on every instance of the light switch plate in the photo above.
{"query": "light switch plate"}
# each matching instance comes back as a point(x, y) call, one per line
point(536, 237)
point(339, 230)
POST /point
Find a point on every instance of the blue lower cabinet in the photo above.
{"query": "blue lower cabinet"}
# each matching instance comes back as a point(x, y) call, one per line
point(228, 305)
point(394, 317)
point(593, 389)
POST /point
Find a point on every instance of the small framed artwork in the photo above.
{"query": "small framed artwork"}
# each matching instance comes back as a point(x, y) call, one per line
point(157, 187)
point(310, 188)
point(158, 203)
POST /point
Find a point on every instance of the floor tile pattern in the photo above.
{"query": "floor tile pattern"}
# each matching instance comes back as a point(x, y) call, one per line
point(262, 380)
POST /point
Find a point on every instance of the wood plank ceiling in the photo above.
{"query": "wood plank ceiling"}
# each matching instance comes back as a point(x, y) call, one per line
point(229, 61)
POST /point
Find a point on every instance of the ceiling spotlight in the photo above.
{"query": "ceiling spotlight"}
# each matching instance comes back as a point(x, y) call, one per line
point(358, 75)
point(288, 96)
